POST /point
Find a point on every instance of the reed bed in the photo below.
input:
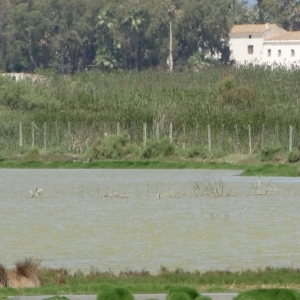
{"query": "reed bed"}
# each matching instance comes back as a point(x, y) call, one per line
point(94, 103)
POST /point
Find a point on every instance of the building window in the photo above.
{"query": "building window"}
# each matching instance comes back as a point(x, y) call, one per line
point(269, 52)
point(250, 36)
point(292, 52)
point(279, 53)
point(250, 49)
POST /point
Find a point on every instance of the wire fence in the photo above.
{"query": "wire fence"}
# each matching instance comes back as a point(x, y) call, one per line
point(71, 137)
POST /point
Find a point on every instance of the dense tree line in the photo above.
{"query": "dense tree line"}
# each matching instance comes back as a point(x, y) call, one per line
point(133, 34)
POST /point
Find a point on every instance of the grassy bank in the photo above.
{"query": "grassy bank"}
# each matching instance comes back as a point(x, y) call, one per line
point(60, 281)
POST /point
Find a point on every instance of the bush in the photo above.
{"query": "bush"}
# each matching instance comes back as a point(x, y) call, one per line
point(192, 293)
point(294, 155)
point(115, 293)
point(178, 296)
point(239, 96)
point(3, 276)
point(28, 268)
point(111, 147)
point(268, 294)
point(196, 151)
point(159, 148)
point(270, 152)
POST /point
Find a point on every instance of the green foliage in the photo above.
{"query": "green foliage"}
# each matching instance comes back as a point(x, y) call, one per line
point(191, 292)
point(178, 296)
point(197, 151)
point(268, 294)
point(158, 148)
point(115, 293)
point(294, 155)
point(239, 96)
point(111, 147)
point(270, 152)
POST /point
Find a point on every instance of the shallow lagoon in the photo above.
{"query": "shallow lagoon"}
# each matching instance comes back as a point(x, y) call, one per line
point(134, 219)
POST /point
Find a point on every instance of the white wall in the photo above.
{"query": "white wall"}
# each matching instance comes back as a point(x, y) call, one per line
point(239, 48)
point(285, 59)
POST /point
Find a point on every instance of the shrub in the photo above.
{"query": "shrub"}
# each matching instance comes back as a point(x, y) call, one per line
point(196, 151)
point(27, 268)
point(178, 296)
point(115, 293)
point(268, 294)
point(192, 293)
point(156, 148)
point(269, 153)
point(294, 155)
point(110, 147)
point(240, 96)
point(3, 276)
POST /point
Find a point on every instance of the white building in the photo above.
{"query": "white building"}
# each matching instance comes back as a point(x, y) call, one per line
point(264, 44)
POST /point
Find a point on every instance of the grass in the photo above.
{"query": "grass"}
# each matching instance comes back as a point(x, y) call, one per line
point(163, 282)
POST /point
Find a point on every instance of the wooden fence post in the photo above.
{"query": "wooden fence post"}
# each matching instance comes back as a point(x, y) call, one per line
point(57, 134)
point(249, 138)
point(32, 135)
point(276, 133)
point(118, 128)
point(263, 130)
point(237, 141)
point(197, 139)
point(171, 133)
point(209, 137)
point(290, 138)
point(157, 130)
point(145, 134)
point(9, 136)
point(20, 134)
point(45, 136)
point(183, 137)
point(69, 136)
point(223, 137)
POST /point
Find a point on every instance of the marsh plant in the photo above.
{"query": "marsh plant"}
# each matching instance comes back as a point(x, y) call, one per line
point(261, 190)
point(212, 188)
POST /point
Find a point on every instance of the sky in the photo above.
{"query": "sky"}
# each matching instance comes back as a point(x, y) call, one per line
point(251, 2)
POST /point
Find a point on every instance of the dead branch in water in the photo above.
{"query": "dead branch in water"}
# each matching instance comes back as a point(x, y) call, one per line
point(36, 193)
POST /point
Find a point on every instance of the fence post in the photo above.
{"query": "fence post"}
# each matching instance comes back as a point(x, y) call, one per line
point(291, 138)
point(209, 137)
point(32, 134)
point(118, 128)
point(9, 136)
point(276, 133)
point(263, 129)
point(45, 136)
point(132, 132)
point(104, 129)
point(157, 130)
point(223, 137)
point(57, 134)
point(197, 139)
point(69, 136)
point(250, 138)
point(171, 133)
point(237, 142)
point(94, 132)
point(20, 134)
point(145, 134)
point(183, 137)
